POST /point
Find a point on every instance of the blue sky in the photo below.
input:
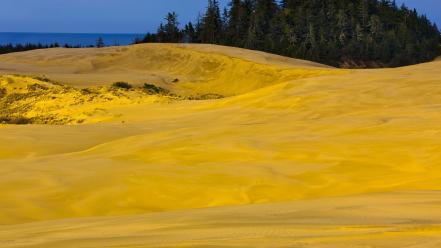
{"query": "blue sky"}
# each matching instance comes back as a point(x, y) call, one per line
point(120, 16)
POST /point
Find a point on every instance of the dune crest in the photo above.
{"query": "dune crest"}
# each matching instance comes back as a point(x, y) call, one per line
point(200, 69)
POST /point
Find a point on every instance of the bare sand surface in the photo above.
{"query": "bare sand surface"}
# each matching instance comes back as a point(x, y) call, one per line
point(296, 154)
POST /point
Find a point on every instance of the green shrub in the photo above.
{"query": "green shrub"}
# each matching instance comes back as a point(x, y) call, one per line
point(122, 85)
point(3, 92)
point(86, 91)
point(19, 120)
point(42, 79)
point(206, 97)
point(35, 87)
point(47, 80)
point(153, 89)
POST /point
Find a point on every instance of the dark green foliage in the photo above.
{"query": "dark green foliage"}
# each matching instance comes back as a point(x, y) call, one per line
point(3, 92)
point(347, 33)
point(206, 97)
point(35, 87)
point(148, 38)
point(153, 89)
point(351, 33)
point(359, 32)
point(122, 85)
point(17, 120)
point(210, 25)
point(169, 32)
point(47, 80)
point(86, 91)
point(261, 22)
point(100, 43)
point(43, 79)
point(189, 33)
point(9, 48)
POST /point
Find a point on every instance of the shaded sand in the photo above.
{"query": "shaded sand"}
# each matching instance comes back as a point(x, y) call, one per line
point(380, 220)
point(334, 158)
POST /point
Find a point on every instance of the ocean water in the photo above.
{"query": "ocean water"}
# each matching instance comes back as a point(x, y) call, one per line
point(67, 38)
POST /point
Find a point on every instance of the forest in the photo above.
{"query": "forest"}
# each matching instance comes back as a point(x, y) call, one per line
point(344, 33)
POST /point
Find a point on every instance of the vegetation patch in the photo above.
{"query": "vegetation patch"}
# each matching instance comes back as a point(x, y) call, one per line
point(3, 92)
point(15, 120)
point(86, 91)
point(347, 33)
point(28, 100)
point(42, 79)
point(153, 89)
point(206, 97)
point(122, 85)
point(35, 87)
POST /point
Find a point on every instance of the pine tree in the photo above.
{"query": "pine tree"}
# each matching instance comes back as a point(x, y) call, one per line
point(264, 14)
point(211, 24)
point(336, 32)
point(161, 34)
point(233, 30)
point(171, 32)
point(189, 33)
point(100, 42)
point(363, 9)
point(149, 38)
point(245, 20)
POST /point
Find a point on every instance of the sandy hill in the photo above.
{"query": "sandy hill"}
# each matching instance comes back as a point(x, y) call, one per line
point(208, 66)
point(295, 154)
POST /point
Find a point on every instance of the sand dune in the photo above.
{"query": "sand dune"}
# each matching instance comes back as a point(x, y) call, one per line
point(208, 66)
point(378, 220)
point(297, 155)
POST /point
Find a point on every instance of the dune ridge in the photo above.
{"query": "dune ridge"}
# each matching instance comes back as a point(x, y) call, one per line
point(200, 69)
point(330, 158)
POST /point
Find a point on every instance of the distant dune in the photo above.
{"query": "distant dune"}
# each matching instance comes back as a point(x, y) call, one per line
point(161, 64)
point(292, 154)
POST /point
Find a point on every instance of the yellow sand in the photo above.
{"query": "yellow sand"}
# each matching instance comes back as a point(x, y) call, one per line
point(51, 103)
point(298, 155)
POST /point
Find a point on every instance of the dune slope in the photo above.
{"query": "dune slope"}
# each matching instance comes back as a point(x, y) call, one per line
point(298, 155)
point(200, 69)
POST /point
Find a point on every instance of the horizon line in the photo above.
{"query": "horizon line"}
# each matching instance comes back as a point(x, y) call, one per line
point(39, 32)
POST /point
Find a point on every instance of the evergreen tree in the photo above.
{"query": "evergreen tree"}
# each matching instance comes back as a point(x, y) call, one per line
point(336, 32)
point(233, 30)
point(264, 13)
point(211, 24)
point(149, 38)
point(190, 35)
point(9, 48)
point(170, 32)
point(161, 34)
point(99, 42)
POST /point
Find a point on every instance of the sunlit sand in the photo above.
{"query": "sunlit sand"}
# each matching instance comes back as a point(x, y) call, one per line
point(292, 154)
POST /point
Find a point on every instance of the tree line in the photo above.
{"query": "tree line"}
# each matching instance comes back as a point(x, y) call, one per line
point(12, 48)
point(347, 33)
